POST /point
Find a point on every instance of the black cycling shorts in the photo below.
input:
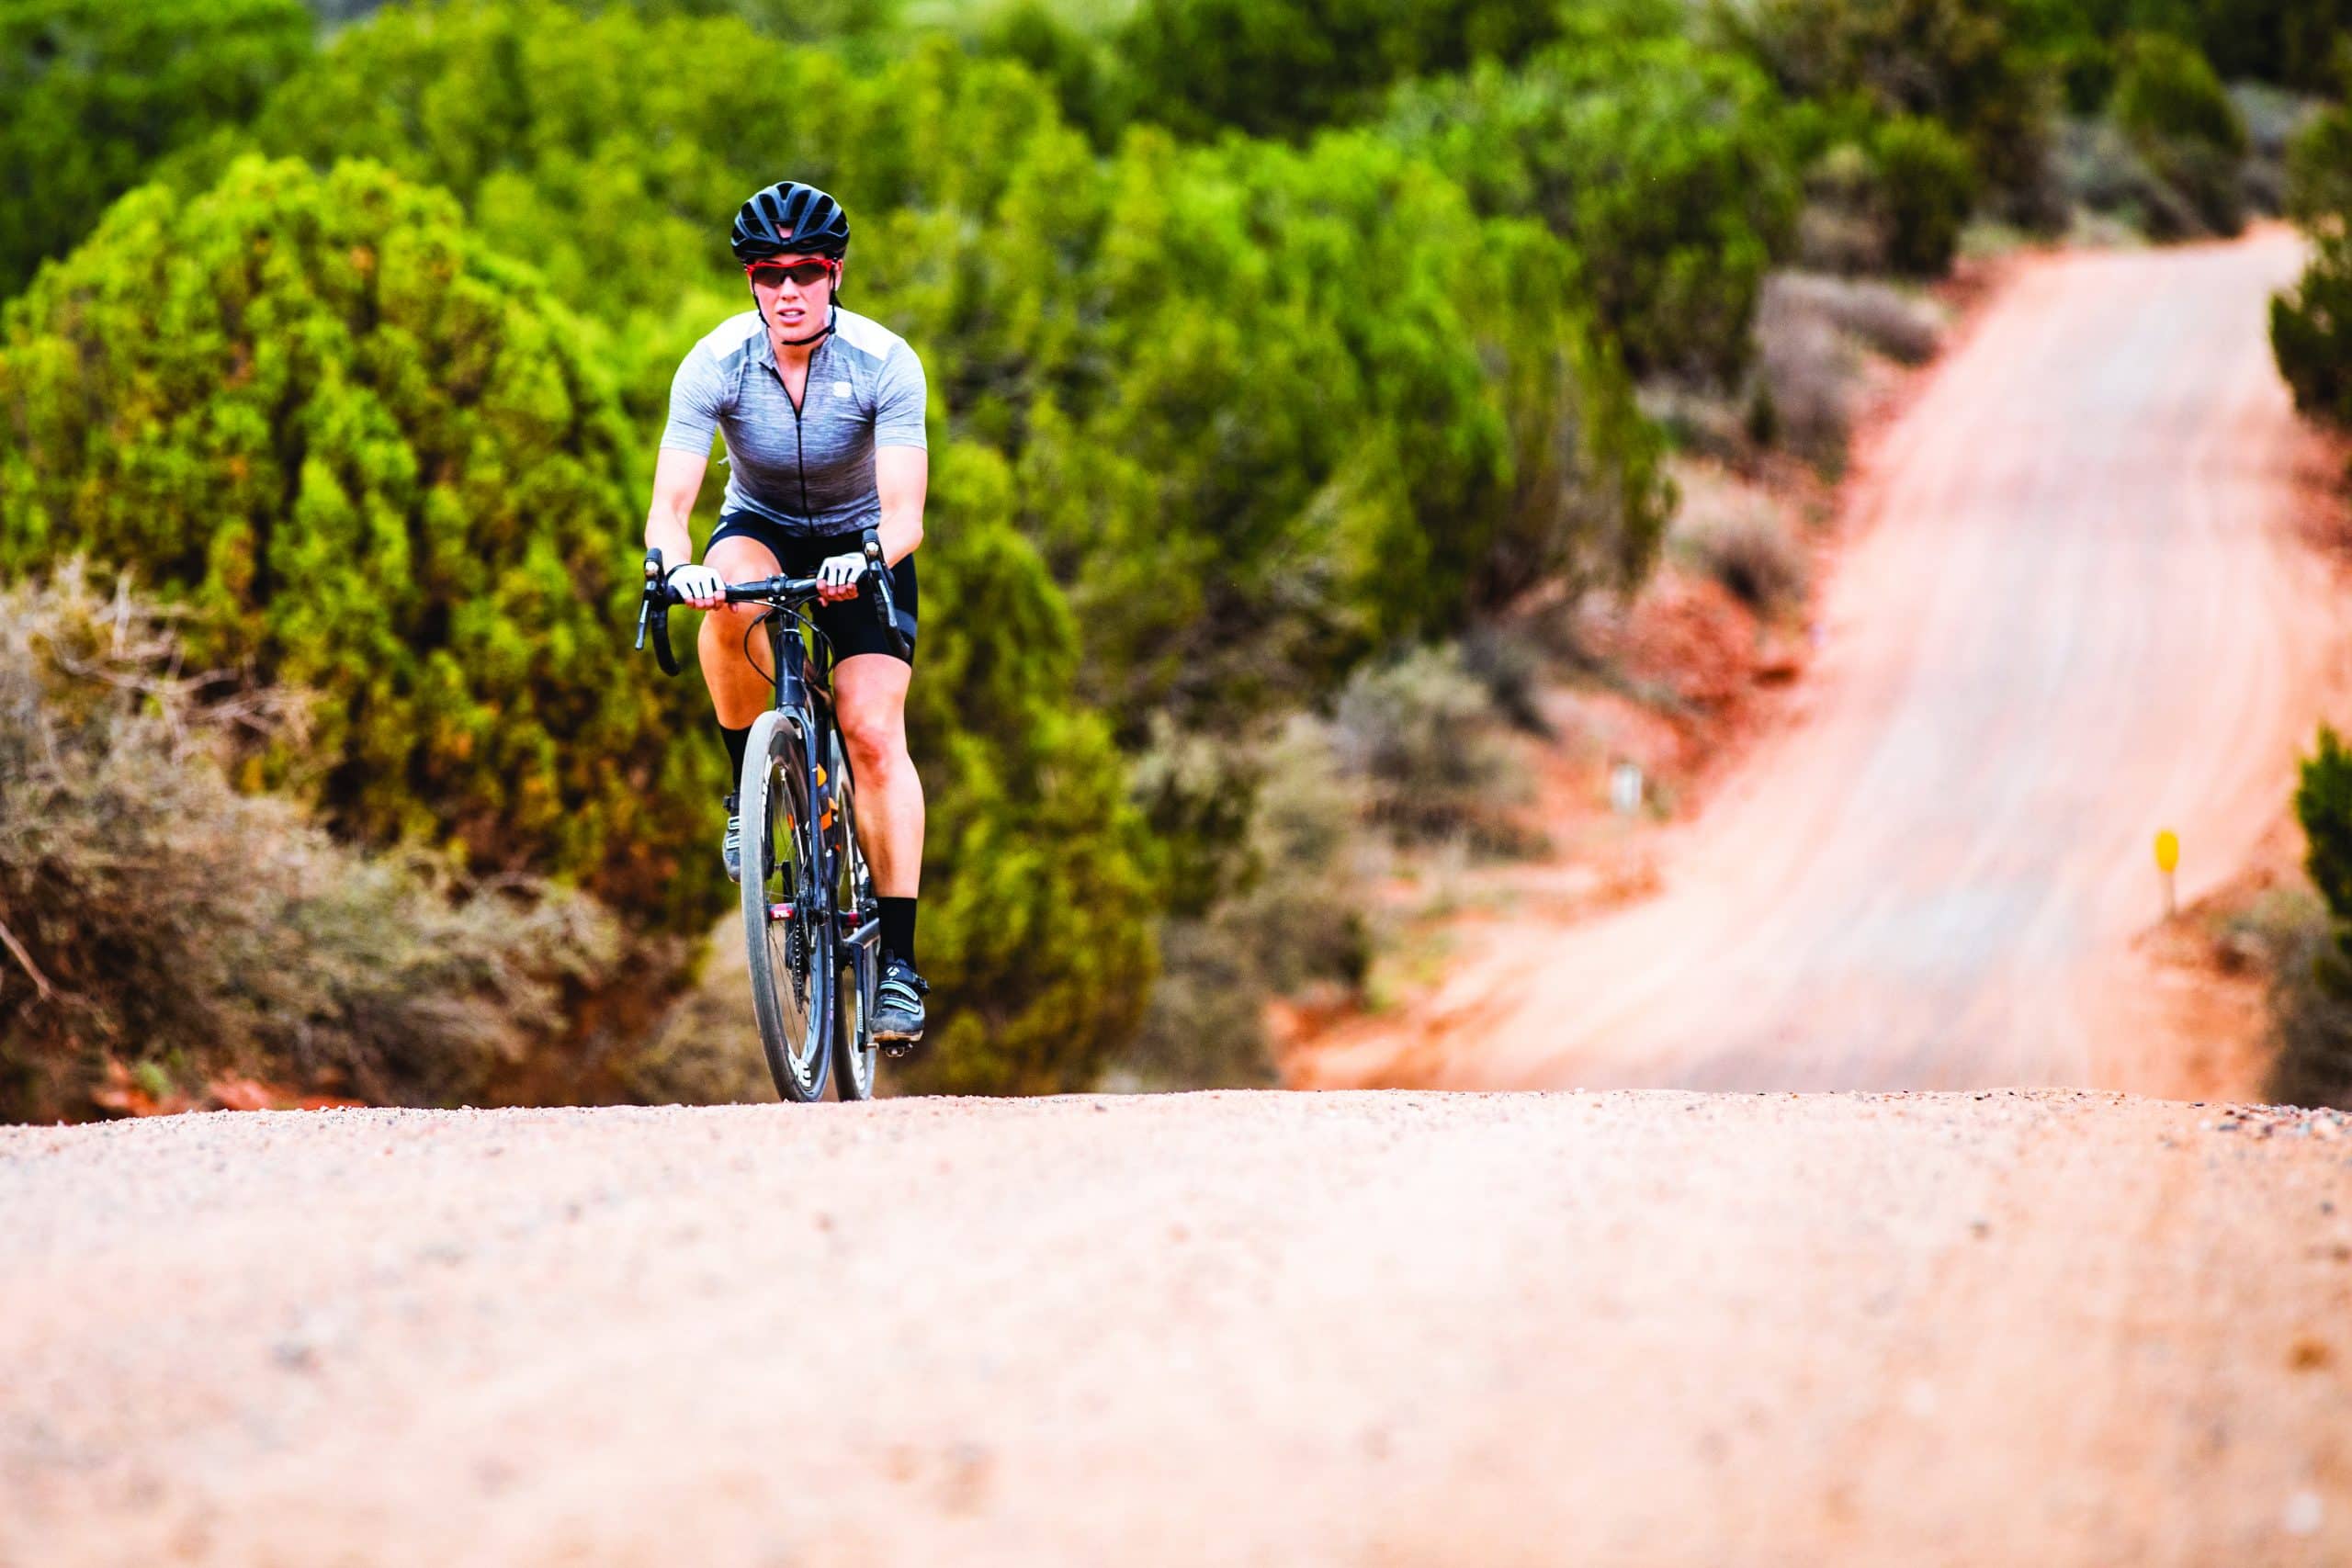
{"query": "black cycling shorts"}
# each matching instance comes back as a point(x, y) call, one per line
point(849, 624)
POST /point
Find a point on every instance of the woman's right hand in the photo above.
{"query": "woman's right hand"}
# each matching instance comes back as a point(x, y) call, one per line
point(699, 586)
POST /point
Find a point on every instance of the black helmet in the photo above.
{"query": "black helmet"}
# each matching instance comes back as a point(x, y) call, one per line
point(791, 217)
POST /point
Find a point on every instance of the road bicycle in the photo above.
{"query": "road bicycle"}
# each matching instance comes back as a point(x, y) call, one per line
point(811, 919)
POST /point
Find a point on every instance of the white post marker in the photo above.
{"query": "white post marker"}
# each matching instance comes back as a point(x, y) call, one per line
point(2168, 862)
point(1625, 788)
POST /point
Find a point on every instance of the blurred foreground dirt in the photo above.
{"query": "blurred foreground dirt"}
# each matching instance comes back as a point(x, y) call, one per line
point(2053, 1327)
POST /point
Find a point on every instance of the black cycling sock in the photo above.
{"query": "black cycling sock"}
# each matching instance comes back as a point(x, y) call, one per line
point(736, 740)
point(897, 929)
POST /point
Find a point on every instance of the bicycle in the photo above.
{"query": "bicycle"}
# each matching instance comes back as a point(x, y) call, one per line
point(811, 921)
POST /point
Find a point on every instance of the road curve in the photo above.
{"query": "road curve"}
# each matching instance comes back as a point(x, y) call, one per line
point(1393, 1329)
point(2076, 611)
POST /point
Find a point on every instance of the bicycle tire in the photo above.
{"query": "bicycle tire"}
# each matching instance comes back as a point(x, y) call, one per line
point(792, 957)
point(855, 975)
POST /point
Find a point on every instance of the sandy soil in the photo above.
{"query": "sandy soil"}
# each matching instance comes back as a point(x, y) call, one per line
point(1382, 1329)
point(2080, 606)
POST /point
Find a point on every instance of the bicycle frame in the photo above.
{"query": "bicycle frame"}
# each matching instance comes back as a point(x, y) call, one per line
point(803, 688)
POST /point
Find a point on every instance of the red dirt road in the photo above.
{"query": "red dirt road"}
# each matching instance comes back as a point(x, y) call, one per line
point(2077, 610)
point(1386, 1329)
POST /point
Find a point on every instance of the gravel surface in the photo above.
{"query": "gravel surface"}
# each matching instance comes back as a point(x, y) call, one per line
point(2049, 1327)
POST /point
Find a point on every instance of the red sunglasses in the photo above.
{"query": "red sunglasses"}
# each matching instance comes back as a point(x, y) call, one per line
point(775, 274)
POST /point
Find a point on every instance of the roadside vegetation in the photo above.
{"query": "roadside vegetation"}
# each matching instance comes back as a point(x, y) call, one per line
point(2311, 331)
point(1282, 354)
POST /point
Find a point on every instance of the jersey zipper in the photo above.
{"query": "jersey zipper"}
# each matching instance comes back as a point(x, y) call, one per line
point(799, 451)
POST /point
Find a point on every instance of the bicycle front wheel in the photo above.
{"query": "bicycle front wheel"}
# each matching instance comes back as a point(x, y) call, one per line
point(788, 916)
point(855, 976)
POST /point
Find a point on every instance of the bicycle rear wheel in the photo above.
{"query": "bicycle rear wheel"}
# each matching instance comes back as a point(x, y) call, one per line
point(788, 916)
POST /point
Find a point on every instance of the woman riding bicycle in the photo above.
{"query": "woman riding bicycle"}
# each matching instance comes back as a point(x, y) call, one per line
point(822, 411)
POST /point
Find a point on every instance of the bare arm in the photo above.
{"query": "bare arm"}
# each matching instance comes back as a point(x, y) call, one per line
point(677, 480)
point(902, 479)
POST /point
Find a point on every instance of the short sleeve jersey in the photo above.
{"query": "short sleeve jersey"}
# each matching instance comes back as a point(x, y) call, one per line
point(808, 470)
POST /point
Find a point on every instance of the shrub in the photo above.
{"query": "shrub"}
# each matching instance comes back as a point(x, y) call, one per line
point(2101, 171)
point(1426, 740)
point(92, 91)
point(1282, 67)
point(168, 920)
point(2312, 997)
point(1805, 367)
point(1269, 408)
point(1291, 921)
point(1930, 181)
point(371, 461)
point(2311, 331)
point(2311, 1010)
point(1844, 226)
point(1039, 900)
point(2318, 170)
point(1663, 165)
point(705, 1049)
point(1753, 556)
point(2311, 328)
point(2297, 43)
point(2275, 119)
point(1964, 63)
point(1884, 318)
point(2168, 90)
point(2172, 107)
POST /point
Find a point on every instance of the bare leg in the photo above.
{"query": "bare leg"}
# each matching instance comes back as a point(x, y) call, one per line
point(870, 694)
point(739, 688)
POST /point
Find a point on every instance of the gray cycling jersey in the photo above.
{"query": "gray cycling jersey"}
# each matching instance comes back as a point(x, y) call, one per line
point(808, 469)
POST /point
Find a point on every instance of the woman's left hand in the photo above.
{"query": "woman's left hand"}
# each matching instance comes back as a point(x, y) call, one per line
point(837, 578)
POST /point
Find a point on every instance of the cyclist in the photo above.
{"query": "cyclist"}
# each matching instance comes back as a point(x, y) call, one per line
point(823, 412)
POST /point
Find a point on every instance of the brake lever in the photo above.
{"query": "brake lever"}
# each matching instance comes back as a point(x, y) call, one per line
point(653, 577)
point(885, 603)
point(653, 610)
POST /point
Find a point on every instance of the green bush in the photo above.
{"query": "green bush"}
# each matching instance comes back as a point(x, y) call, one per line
point(165, 919)
point(1967, 65)
point(1929, 182)
point(2172, 107)
point(1335, 409)
point(2319, 171)
point(370, 459)
point(2310, 333)
point(1666, 167)
point(1292, 923)
point(2313, 995)
point(92, 91)
point(1038, 897)
point(1428, 743)
point(1284, 67)
point(2324, 807)
point(1270, 408)
point(2311, 328)
point(1089, 78)
point(1752, 555)
point(599, 150)
point(2298, 42)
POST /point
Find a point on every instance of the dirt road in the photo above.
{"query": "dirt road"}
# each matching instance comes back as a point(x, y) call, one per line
point(2076, 613)
point(1375, 1330)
